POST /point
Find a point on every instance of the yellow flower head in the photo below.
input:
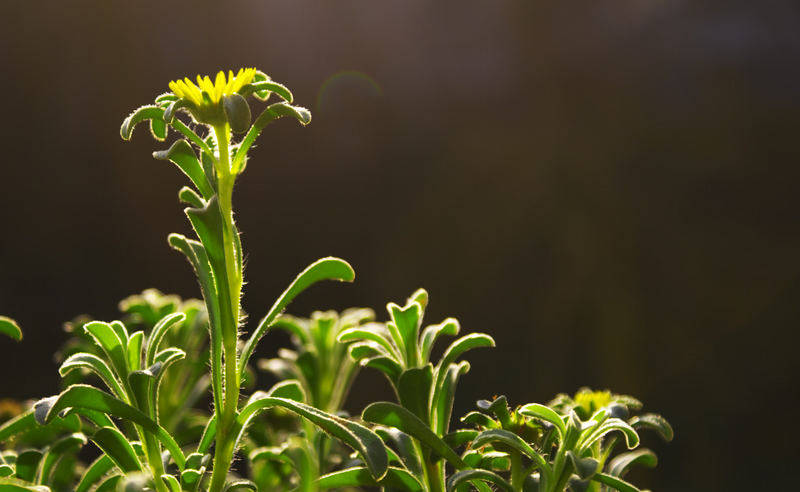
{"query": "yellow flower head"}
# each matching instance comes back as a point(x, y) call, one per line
point(207, 92)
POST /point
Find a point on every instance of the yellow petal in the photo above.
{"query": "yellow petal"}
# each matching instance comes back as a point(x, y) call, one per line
point(230, 82)
point(219, 85)
point(176, 89)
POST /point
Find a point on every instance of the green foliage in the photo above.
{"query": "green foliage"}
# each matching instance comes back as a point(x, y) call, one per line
point(157, 396)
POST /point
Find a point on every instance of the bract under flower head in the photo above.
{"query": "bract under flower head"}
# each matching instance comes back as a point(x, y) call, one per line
point(207, 92)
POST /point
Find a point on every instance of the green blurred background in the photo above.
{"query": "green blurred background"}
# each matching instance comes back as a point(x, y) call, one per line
point(608, 188)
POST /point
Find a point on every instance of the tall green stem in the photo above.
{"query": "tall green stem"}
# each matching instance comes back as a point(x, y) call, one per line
point(229, 287)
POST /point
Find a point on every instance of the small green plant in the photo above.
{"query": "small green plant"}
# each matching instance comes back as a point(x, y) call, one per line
point(137, 391)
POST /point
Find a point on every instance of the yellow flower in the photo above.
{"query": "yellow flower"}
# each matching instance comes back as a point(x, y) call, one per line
point(211, 93)
point(214, 103)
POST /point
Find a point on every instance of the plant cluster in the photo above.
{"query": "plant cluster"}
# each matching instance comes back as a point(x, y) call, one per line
point(137, 391)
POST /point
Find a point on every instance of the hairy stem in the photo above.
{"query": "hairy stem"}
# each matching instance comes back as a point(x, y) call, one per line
point(229, 287)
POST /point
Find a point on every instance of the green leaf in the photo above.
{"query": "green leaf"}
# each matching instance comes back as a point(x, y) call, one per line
point(10, 328)
point(190, 197)
point(196, 254)
point(395, 478)
point(207, 222)
point(182, 155)
point(414, 390)
point(362, 440)
point(588, 437)
point(470, 475)
point(158, 129)
point(94, 473)
point(27, 463)
point(614, 482)
point(585, 468)
point(479, 419)
point(618, 466)
point(54, 454)
point(141, 383)
point(460, 437)
point(190, 478)
point(172, 482)
point(289, 389)
point(270, 114)
point(141, 114)
point(370, 335)
point(406, 451)
point(165, 358)
point(391, 414)
point(6, 470)
point(404, 328)
point(444, 396)
point(135, 350)
point(456, 349)
point(118, 449)
point(431, 333)
point(109, 484)
point(263, 89)
point(84, 396)
point(19, 424)
point(12, 485)
point(323, 269)
point(547, 414)
point(157, 334)
point(513, 441)
point(109, 340)
point(240, 485)
point(654, 422)
point(386, 365)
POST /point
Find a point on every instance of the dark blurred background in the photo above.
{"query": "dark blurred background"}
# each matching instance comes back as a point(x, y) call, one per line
point(608, 188)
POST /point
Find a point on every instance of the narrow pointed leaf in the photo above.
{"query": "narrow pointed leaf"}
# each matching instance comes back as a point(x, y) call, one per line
point(10, 328)
point(324, 269)
point(109, 484)
point(391, 414)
